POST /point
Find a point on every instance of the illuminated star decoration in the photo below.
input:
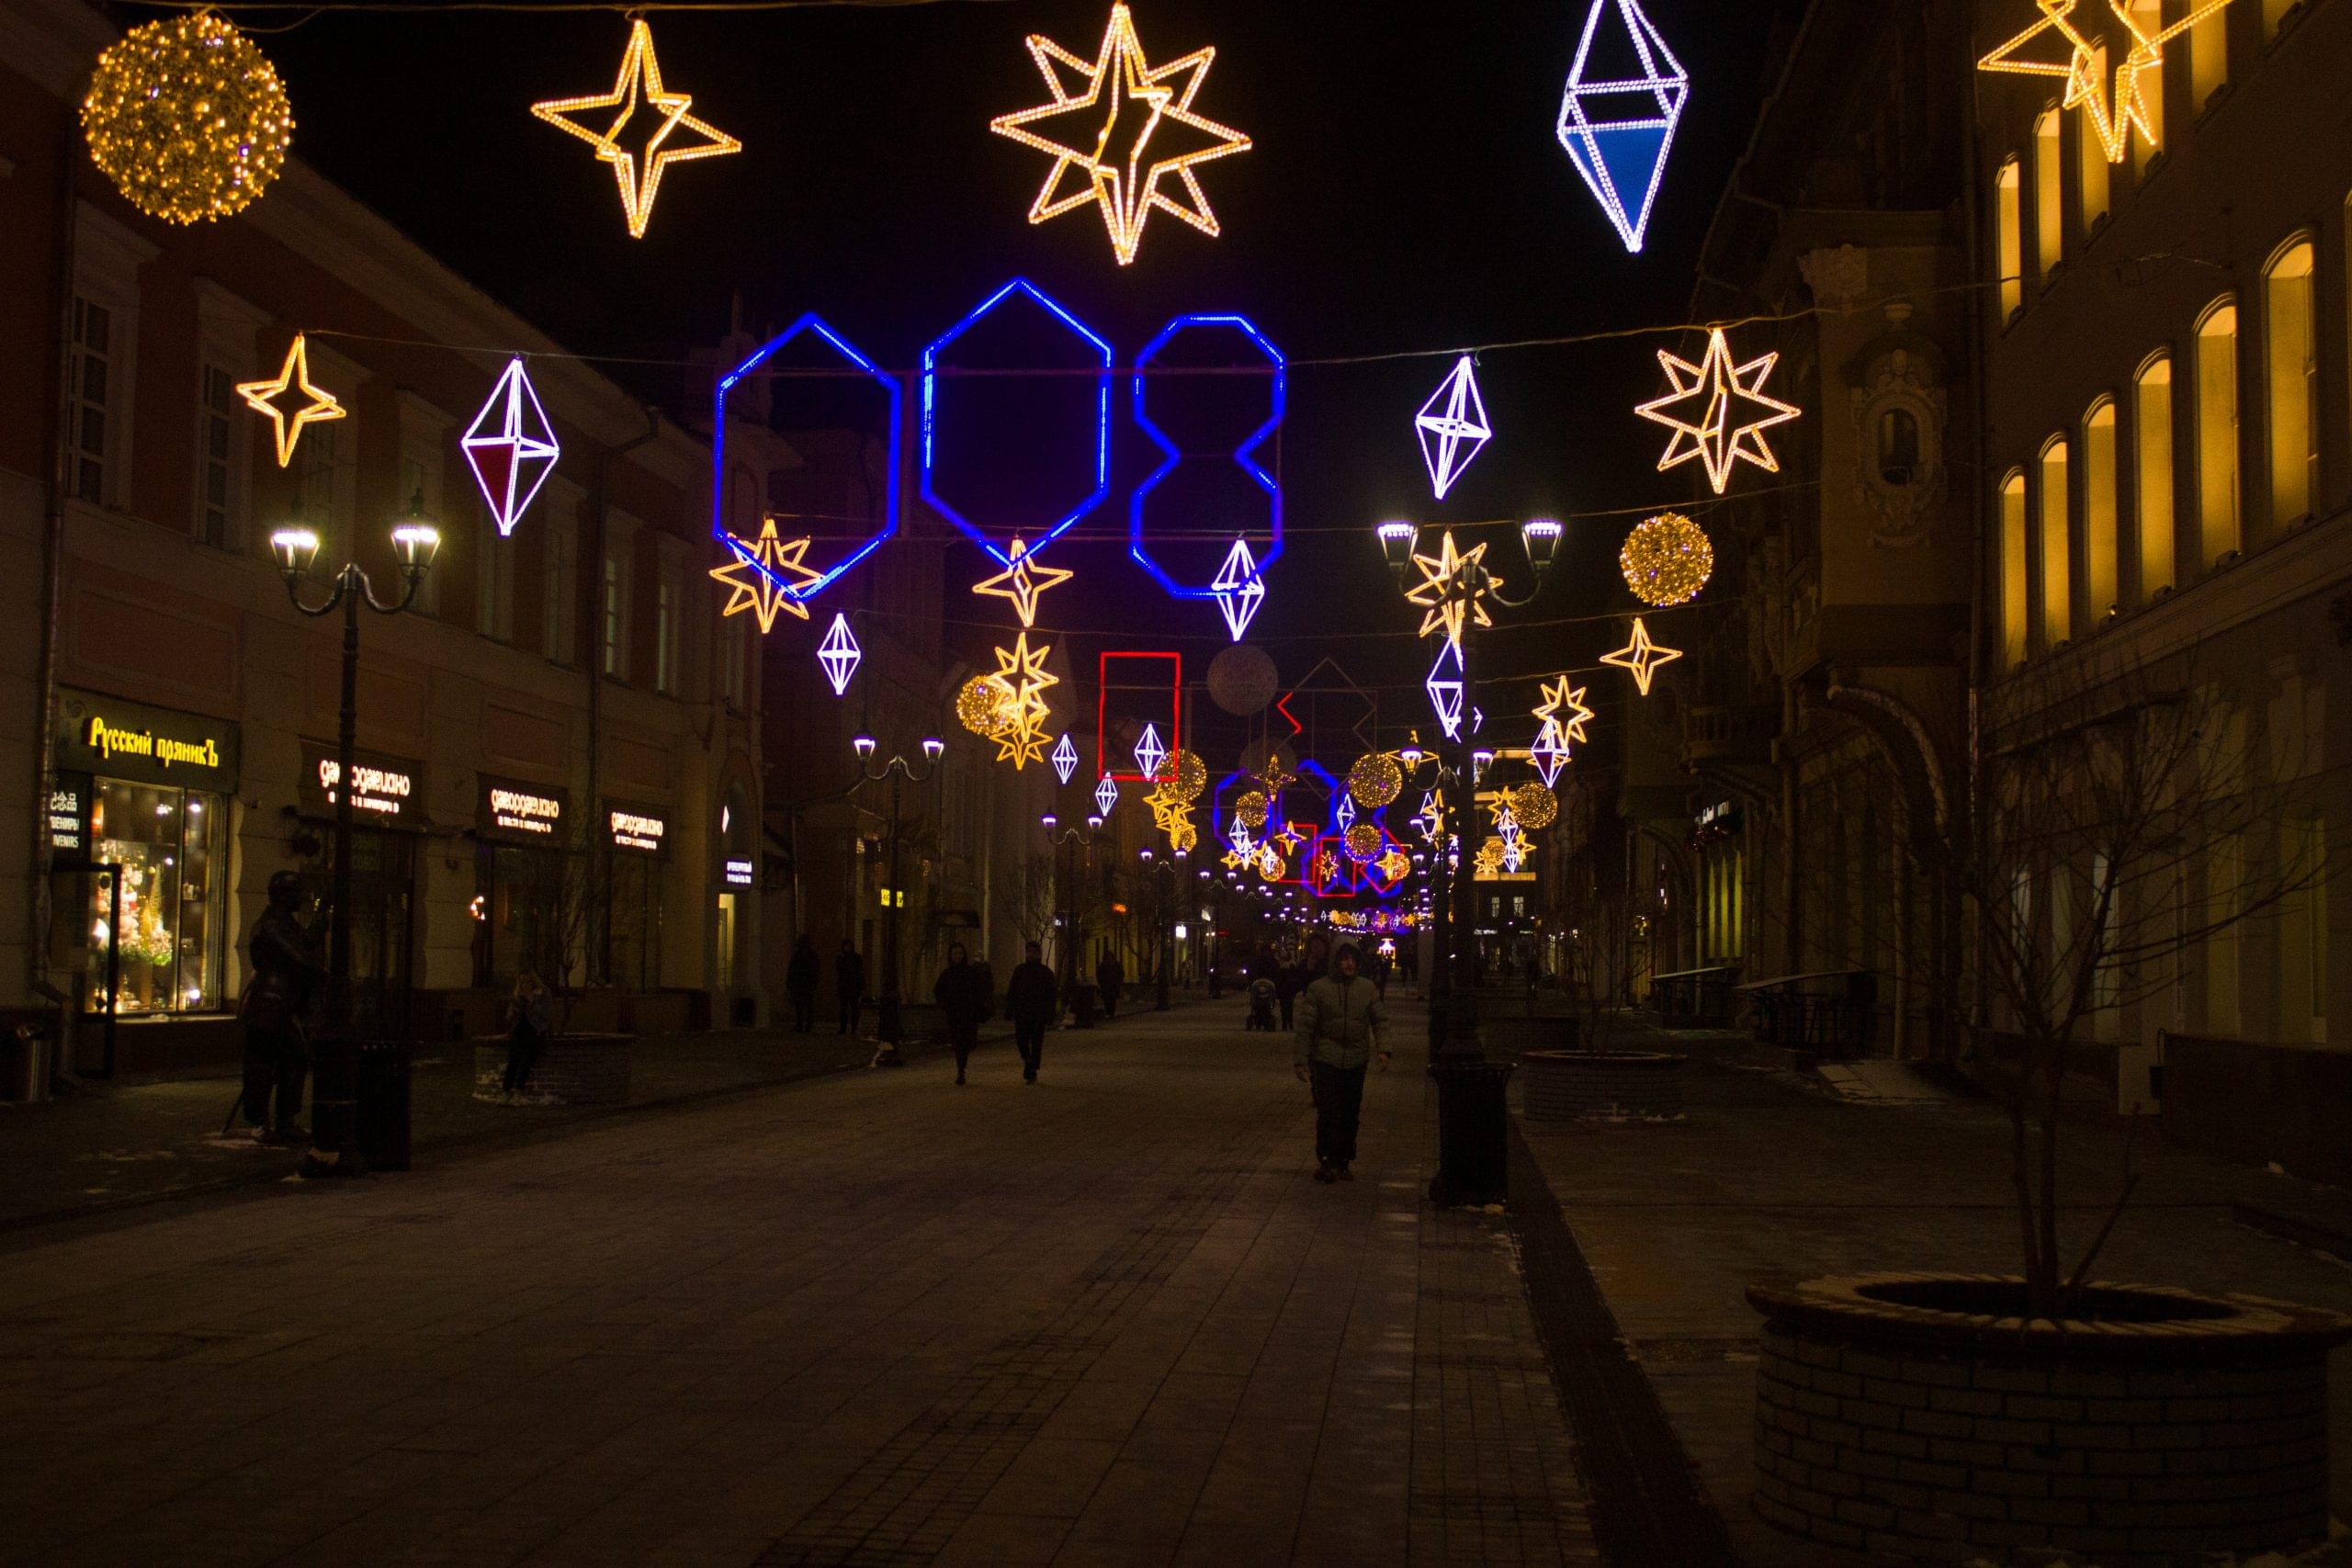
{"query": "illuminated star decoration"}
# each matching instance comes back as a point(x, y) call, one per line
point(1106, 793)
point(513, 457)
point(1239, 589)
point(1022, 583)
point(1445, 432)
point(1642, 657)
point(1150, 752)
point(1023, 668)
point(1452, 588)
point(2113, 117)
point(1622, 156)
point(1711, 386)
point(639, 174)
point(1065, 758)
point(1121, 170)
point(1445, 687)
point(1564, 708)
point(1550, 752)
point(758, 575)
point(262, 395)
point(840, 655)
point(1431, 817)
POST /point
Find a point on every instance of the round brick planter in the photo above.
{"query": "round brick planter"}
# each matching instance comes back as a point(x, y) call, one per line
point(1614, 1085)
point(574, 1069)
point(1919, 1417)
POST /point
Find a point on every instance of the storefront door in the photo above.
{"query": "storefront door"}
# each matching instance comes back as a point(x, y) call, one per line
point(383, 883)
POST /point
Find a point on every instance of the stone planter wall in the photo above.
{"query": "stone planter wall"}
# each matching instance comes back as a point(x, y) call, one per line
point(1562, 1086)
point(1926, 1433)
point(575, 1069)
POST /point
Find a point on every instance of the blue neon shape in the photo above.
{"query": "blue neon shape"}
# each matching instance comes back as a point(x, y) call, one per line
point(1625, 155)
point(1242, 454)
point(931, 495)
point(888, 383)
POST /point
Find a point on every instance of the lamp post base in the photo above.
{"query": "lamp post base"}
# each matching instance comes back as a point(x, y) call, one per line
point(1473, 1133)
point(334, 1147)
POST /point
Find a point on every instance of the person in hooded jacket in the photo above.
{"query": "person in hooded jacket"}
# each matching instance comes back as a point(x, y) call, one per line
point(1341, 1016)
point(963, 994)
point(1031, 998)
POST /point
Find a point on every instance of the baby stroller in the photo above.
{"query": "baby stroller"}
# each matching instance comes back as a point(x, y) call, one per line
point(1262, 1005)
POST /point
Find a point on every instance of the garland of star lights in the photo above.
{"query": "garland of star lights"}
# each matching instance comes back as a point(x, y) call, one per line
point(639, 172)
point(1452, 435)
point(1121, 170)
point(512, 457)
point(2112, 117)
point(1023, 669)
point(318, 407)
point(1709, 388)
point(188, 118)
point(1642, 657)
point(1623, 155)
point(1666, 560)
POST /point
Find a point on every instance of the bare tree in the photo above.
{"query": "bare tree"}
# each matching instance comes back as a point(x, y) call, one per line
point(2120, 815)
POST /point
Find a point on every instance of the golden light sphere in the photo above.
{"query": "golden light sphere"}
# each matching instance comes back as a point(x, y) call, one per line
point(1375, 780)
point(987, 706)
point(1534, 807)
point(1667, 560)
point(1183, 775)
point(1271, 867)
point(1184, 837)
point(1249, 810)
point(1363, 841)
point(1490, 857)
point(1395, 865)
point(188, 118)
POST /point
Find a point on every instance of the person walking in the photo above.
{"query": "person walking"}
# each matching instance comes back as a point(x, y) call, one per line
point(275, 1011)
point(1340, 1021)
point(526, 1031)
point(849, 985)
point(800, 983)
point(1312, 966)
point(962, 992)
point(1109, 977)
point(1031, 998)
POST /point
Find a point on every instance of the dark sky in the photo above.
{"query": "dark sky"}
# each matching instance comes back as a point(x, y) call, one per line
point(1405, 194)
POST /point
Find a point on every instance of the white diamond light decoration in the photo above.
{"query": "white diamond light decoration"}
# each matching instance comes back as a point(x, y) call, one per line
point(1453, 426)
point(511, 446)
point(1238, 590)
point(1106, 793)
point(1151, 752)
point(1445, 687)
point(1347, 813)
point(840, 654)
point(1065, 758)
point(1618, 132)
point(1550, 752)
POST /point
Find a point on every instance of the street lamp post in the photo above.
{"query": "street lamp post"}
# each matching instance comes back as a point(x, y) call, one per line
point(1173, 870)
point(1473, 1115)
point(899, 772)
point(1440, 859)
point(416, 541)
point(1065, 916)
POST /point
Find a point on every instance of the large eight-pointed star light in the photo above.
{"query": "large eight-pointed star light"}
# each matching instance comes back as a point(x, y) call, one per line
point(1452, 588)
point(1121, 130)
point(317, 405)
point(1700, 411)
point(638, 85)
point(2113, 117)
point(764, 574)
point(1564, 708)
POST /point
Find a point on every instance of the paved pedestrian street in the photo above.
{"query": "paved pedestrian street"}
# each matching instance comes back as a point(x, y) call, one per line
point(873, 1318)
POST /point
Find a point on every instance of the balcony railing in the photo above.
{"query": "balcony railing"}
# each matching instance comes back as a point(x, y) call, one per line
point(1744, 733)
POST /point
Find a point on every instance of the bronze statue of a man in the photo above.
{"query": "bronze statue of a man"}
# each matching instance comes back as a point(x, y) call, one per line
point(285, 975)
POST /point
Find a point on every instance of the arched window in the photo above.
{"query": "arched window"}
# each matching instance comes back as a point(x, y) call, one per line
point(2091, 167)
point(2098, 513)
point(2009, 218)
point(2151, 472)
point(2048, 192)
point(2290, 369)
point(2012, 570)
point(2057, 601)
point(2217, 433)
point(1898, 446)
point(2209, 58)
point(2148, 17)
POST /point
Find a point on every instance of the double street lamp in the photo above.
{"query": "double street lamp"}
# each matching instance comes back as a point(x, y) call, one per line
point(898, 771)
point(1065, 914)
point(1473, 1116)
point(1176, 886)
point(416, 541)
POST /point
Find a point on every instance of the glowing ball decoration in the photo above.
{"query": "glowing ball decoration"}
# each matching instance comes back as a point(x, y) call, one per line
point(1183, 775)
point(188, 118)
point(1249, 810)
point(1363, 841)
point(988, 705)
point(1666, 560)
point(1534, 807)
point(1375, 780)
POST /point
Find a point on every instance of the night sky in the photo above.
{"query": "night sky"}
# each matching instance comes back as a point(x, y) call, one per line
point(1406, 197)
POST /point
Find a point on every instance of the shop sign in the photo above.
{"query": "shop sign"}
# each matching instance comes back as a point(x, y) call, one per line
point(109, 738)
point(69, 817)
point(388, 788)
point(639, 830)
point(519, 812)
point(737, 873)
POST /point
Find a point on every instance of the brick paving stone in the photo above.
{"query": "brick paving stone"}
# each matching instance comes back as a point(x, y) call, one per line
point(868, 1320)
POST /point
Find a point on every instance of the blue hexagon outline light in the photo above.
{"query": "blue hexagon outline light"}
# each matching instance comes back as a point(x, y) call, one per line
point(759, 356)
point(1243, 456)
point(964, 525)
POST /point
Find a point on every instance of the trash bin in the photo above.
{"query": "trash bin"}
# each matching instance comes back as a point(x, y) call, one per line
point(382, 1112)
point(1473, 1133)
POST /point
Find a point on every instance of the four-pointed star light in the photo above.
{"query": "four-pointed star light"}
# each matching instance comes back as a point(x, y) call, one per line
point(638, 85)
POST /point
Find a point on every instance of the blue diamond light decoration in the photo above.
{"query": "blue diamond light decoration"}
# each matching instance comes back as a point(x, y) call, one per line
point(1618, 132)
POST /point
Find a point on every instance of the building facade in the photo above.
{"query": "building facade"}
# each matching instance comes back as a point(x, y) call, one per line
point(558, 753)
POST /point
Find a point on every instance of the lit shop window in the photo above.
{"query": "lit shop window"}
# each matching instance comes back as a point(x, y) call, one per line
point(168, 939)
